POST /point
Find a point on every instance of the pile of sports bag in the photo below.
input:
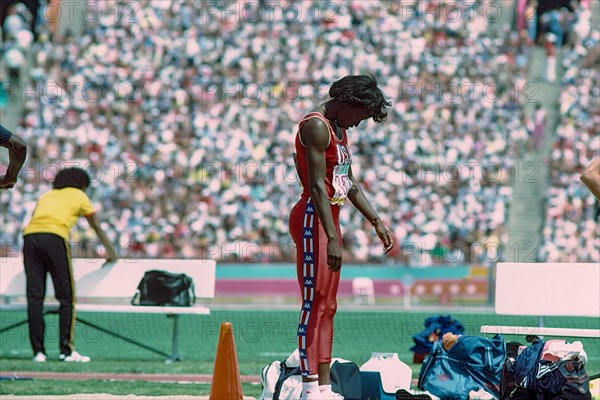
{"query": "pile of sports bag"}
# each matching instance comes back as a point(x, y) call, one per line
point(462, 367)
point(552, 370)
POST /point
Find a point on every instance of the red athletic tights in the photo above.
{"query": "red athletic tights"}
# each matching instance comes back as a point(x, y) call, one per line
point(318, 285)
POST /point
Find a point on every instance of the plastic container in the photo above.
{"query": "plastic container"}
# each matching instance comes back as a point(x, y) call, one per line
point(383, 375)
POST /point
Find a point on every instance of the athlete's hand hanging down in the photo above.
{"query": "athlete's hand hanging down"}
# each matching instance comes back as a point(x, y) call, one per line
point(334, 255)
point(385, 236)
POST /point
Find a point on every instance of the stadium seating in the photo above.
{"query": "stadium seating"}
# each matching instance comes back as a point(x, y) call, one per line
point(191, 138)
point(570, 232)
point(182, 164)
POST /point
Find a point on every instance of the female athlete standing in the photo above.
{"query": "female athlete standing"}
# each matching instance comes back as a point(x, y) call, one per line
point(324, 167)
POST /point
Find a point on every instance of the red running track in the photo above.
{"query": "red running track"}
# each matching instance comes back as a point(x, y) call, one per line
point(110, 376)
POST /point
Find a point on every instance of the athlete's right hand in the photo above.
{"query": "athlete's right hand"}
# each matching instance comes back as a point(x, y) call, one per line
point(334, 255)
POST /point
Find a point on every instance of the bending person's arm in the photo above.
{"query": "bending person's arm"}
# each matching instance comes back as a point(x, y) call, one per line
point(591, 177)
point(17, 152)
point(92, 219)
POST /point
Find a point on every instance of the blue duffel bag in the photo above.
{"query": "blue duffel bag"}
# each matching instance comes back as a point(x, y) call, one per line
point(472, 363)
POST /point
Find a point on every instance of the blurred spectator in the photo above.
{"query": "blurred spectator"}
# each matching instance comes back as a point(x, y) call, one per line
point(531, 19)
point(550, 49)
point(554, 16)
point(9, 16)
point(539, 126)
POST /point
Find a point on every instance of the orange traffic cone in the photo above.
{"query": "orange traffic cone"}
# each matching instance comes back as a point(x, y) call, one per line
point(226, 384)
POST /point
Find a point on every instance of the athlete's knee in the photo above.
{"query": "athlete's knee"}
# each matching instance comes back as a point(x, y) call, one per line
point(327, 307)
point(330, 308)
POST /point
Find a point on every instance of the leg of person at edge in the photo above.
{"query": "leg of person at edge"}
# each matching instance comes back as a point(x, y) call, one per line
point(323, 163)
point(46, 251)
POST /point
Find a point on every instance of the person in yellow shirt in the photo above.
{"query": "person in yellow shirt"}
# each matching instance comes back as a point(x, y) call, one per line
point(46, 250)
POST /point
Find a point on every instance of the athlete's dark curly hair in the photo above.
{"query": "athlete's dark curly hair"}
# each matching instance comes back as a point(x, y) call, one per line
point(71, 177)
point(361, 91)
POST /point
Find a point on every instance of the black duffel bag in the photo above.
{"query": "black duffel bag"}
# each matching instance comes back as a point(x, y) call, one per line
point(162, 288)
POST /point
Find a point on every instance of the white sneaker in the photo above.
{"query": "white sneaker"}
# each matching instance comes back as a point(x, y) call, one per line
point(311, 396)
point(330, 395)
point(39, 357)
point(74, 357)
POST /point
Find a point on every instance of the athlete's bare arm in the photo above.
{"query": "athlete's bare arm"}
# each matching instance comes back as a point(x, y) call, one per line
point(591, 177)
point(17, 152)
point(358, 198)
point(315, 135)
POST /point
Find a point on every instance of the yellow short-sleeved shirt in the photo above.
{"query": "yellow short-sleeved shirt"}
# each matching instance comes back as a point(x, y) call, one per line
point(58, 210)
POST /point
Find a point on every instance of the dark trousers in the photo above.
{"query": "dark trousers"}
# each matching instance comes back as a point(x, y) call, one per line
point(45, 253)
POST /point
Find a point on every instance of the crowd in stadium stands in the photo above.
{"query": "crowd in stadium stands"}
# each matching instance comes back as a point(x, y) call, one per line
point(188, 115)
point(571, 225)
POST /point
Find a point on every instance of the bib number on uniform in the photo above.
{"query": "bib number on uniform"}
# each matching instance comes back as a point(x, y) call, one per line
point(341, 183)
